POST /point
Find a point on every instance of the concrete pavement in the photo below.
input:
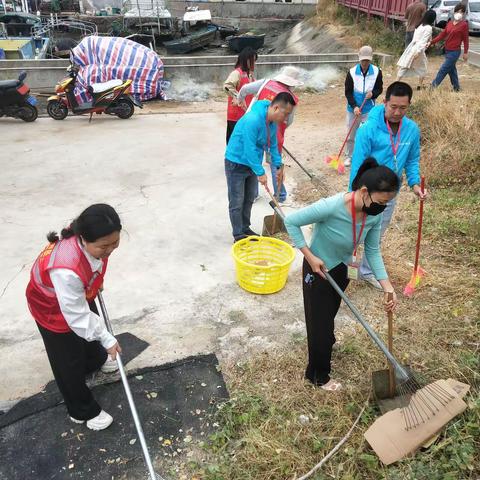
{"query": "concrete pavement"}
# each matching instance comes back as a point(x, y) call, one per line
point(172, 281)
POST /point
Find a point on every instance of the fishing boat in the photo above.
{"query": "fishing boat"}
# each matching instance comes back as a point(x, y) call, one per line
point(197, 32)
point(17, 38)
point(237, 43)
point(226, 31)
point(192, 41)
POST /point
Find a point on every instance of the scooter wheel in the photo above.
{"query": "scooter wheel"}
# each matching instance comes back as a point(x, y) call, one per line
point(124, 108)
point(57, 109)
point(28, 113)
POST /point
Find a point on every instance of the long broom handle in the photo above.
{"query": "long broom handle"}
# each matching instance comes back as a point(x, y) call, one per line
point(128, 392)
point(373, 335)
point(350, 129)
point(297, 162)
point(420, 223)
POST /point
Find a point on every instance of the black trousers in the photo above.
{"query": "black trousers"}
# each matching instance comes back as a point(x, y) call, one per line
point(230, 126)
point(321, 304)
point(72, 358)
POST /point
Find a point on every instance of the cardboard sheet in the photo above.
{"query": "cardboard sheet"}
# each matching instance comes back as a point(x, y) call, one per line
point(388, 435)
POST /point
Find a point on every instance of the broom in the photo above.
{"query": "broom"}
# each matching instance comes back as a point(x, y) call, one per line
point(335, 161)
point(418, 272)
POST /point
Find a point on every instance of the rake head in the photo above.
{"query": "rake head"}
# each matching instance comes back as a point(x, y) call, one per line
point(421, 401)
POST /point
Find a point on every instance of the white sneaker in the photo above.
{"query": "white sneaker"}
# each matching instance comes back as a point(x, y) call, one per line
point(74, 420)
point(102, 421)
point(372, 281)
point(348, 161)
point(109, 366)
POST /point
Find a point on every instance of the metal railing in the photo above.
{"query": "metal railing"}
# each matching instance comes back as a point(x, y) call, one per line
point(54, 22)
point(388, 9)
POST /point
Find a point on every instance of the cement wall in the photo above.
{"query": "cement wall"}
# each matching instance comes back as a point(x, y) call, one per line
point(474, 57)
point(44, 74)
point(247, 9)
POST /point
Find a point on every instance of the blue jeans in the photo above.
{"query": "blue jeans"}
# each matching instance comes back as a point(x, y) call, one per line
point(449, 66)
point(242, 186)
point(283, 191)
point(365, 269)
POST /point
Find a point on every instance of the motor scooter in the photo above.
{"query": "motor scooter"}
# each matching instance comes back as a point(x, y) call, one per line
point(112, 98)
point(16, 101)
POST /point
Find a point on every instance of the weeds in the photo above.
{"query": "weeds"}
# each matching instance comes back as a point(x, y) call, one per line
point(451, 153)
point(276, 427)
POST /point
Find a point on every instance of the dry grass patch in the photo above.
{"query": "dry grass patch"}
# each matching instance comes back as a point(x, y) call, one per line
point(276, 427)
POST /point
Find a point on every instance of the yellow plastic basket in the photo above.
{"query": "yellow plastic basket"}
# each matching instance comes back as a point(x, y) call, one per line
point(262, 263)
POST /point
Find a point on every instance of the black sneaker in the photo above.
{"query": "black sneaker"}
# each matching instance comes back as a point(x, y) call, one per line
point(249, 232)
point(239, 237)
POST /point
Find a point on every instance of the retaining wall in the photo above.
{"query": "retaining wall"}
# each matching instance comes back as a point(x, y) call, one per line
point(44, 74)
point(297, 9)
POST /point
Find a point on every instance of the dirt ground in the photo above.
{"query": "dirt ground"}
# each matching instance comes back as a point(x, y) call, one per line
point(318, 130)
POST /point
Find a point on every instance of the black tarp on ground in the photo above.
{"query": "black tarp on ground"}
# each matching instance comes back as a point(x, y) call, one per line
point(132, 346)
point(171, 399)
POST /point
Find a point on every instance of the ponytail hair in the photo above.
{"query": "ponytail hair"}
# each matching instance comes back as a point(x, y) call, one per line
point(377, 178)
point(96, 221)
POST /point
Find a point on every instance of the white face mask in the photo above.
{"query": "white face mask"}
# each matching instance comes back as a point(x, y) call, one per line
point(458, 16)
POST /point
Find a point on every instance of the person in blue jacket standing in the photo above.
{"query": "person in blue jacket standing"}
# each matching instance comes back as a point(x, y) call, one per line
point(363, 82)
point(393, 140)
point(255, 134)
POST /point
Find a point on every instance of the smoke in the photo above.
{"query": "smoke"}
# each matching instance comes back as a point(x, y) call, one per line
point(319, 78)
point(186, 89)
point(316, 80)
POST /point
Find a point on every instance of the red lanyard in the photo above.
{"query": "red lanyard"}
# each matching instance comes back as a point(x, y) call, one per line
point(268, 137)
point(395, 145)
point(354, 228)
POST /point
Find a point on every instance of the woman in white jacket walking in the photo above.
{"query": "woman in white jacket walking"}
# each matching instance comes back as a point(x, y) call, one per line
point(414, 60)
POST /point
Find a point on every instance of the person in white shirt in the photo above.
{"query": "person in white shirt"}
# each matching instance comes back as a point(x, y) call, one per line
point(64, 282)
point(414, 59)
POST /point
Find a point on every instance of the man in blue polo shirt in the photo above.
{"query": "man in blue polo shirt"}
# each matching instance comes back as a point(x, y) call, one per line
point(393, 140)
point(255, 134)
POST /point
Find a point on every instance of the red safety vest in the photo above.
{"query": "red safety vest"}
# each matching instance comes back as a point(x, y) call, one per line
point(234, 112)
point(41, 296)
point(271, 89)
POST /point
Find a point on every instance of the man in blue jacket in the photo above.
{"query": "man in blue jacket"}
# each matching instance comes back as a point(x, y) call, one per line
point(393, 140)
point(254, 134)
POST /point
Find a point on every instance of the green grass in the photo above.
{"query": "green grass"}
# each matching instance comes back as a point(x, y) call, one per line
point(452, 222)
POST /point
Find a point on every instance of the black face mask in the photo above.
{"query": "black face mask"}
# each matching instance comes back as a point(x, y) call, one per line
point(374, 208)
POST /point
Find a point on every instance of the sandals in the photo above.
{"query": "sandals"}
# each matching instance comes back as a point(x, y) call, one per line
point(332, 386)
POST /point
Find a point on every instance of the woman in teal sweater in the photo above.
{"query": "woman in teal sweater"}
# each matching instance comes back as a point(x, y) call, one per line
point(333, 249)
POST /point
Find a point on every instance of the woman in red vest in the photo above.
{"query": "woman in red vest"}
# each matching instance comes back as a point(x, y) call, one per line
point(267, 89)
point(242, 75)
point(64, 282)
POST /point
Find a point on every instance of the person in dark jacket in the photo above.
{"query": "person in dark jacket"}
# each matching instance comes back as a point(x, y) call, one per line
point(363, 81)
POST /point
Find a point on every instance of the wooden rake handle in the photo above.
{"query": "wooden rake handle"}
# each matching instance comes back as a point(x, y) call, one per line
point(391, 372)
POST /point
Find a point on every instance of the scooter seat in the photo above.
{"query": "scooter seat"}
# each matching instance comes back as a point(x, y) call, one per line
point(102, 87)
point(5, 84)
